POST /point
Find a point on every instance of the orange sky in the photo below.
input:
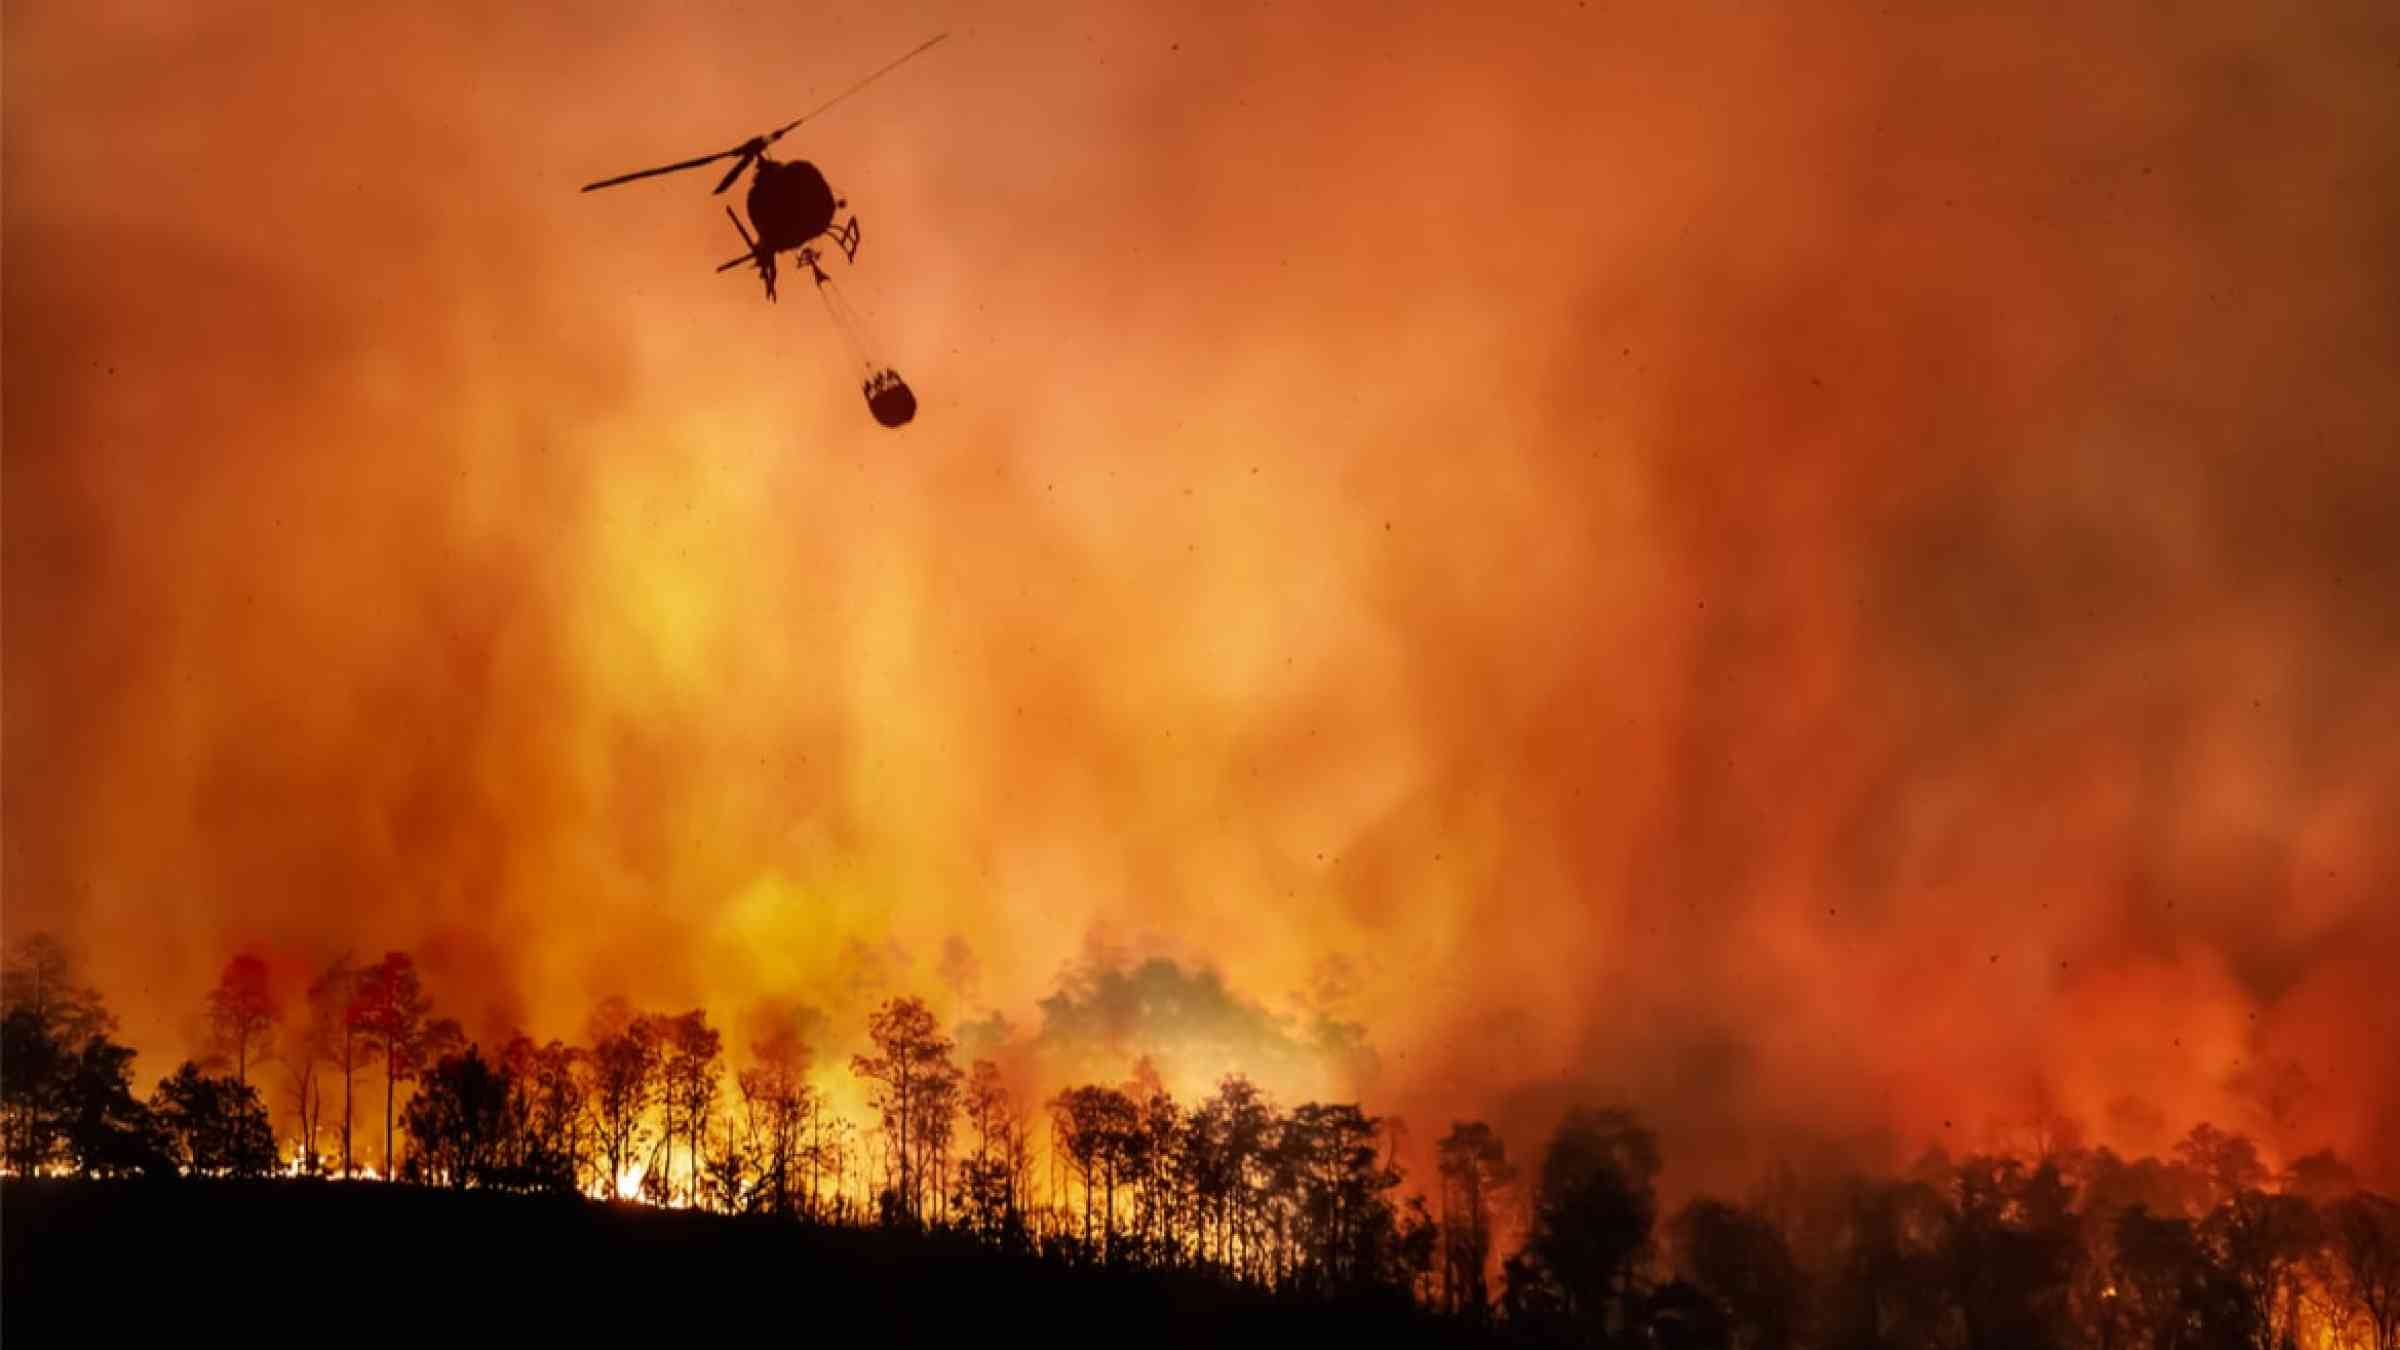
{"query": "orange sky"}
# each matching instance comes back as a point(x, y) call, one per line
point(1819, 572)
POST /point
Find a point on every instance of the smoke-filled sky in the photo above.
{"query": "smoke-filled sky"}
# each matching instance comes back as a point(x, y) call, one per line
point(1831, 572)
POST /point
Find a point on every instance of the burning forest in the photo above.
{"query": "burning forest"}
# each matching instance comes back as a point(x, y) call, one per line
point(2053, 1243)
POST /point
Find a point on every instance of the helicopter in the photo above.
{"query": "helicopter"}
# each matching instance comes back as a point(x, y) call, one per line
point(791, 208)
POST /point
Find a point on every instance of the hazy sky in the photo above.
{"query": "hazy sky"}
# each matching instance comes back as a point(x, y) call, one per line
point(1812, 568)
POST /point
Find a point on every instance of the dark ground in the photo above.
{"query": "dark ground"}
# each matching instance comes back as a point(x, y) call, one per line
point(300, 1262)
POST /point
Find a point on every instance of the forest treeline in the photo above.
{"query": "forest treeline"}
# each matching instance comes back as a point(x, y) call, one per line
point(2062, 1246)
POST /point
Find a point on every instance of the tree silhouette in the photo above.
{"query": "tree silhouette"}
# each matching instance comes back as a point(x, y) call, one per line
point(1473, 1166)
point(242, 1014)
point(34, 1069)
point(832, 1154)
point(687, 1089)
point(1300, 1202)
point(1594, 1206)
point(2008, 1253)
point(1889, 1286)
point(1158, 1138)
point(915, 1089)
point(215, 1126)
point(108, 1132)
point(1098, 1128)
point(1742, 1261)
point(2227, 1163)
point(333, 1035)
point(1330, 1189)
point(624, 1061)
point(458, 1121)
point(1419, 1245)
point(316, 1042)
point(544, 1148)
point(987, 1192)
point(65, 1088)
point(388, 1012)
point(2259, 1241)
point(1227, 1140)
point(2321, 1177)
point(935, 1131)
point(727, 1166)
point(777, 1106)
point(2365, 1243)
point(39, 978)
point(2171, 1291)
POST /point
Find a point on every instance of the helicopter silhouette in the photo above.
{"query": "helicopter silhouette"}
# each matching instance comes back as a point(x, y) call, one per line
point(791, 207)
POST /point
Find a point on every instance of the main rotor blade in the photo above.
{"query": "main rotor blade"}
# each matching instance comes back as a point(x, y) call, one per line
point(665, 168)
point(749, 149)
point(777, 133)
point(749, 153)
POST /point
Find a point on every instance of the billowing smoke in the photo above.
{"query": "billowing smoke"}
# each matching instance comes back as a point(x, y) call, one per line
point(1828, 573)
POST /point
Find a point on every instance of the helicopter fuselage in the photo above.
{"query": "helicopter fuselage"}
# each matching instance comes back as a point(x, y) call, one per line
point(790, 203)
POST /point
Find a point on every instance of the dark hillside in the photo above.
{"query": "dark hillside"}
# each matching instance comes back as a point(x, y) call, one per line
point(96, 1262)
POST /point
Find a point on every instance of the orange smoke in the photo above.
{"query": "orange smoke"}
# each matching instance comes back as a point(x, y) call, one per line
point(1825, 574)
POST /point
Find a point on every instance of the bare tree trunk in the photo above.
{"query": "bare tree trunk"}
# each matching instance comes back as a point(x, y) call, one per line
point(349, 1081)
point(391, 1080)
